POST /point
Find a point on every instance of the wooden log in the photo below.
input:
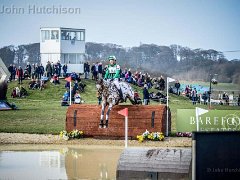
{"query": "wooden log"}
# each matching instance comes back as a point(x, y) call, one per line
point(87, 117)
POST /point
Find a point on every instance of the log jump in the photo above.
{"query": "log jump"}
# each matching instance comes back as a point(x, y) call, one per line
point(86, 118)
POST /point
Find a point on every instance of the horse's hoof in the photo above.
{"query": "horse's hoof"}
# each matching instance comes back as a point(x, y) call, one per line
point(100, 126)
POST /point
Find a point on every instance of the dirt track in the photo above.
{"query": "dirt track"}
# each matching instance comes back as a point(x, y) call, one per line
point(37, 139)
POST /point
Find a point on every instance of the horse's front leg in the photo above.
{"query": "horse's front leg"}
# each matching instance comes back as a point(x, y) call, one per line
point(107, 114)
point(102, 114)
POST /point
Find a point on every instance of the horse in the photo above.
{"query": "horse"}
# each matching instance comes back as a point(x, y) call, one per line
point(111, 96)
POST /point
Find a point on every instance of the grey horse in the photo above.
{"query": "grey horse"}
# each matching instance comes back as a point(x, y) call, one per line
point(111, 96)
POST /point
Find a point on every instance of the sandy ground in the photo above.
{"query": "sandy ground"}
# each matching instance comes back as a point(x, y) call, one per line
point(9, 140)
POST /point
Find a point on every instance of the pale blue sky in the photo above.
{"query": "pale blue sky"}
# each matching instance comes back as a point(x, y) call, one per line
point(206, 24)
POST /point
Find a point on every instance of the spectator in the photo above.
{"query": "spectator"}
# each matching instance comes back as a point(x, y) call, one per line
point(194, 96)
point(20, 75)
point(81, 86)
point(41, 71)
point(65, 67)
point(86, 70)
point(204, 97)
point(187, 91)
point(10, 69)
point(93, 71)
point(77, 98)
point(145, 95)
point(96, 69)
point(177, 86)
point(59, 67)
point(32, 84)
point(34, 71)
point(65, 99)
point(26, 75)
point(49, 70)
point(161, 83)
point(227, 99)
point(137, 98)
point(37, 71)
point(29, 68)
point(14, 94)
point(55, 79)
point(14, 71)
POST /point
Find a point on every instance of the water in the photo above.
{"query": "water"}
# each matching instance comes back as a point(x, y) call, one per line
point(62, 163)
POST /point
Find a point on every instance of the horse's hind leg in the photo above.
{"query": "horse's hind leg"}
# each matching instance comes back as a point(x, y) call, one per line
point(102, 115)
point(107, 115)
point(132, 100)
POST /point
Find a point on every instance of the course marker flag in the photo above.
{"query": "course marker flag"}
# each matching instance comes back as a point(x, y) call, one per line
point(199, 112)
point(123, 112)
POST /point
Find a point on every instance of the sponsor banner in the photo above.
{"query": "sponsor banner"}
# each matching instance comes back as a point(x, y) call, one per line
point(214, 120)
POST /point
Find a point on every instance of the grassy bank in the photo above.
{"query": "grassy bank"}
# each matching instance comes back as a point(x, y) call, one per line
point(41, 112)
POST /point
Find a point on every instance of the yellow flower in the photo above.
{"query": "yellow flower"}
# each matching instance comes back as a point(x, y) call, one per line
point(140, 138)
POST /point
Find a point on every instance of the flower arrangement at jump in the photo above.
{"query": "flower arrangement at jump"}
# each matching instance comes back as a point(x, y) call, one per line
point(72, 134)
point(153, 136)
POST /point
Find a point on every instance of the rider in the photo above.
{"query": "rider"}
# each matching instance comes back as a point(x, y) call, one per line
point(113, 72)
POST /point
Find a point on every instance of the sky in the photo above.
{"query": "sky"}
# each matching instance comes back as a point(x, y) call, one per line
point(205, 24)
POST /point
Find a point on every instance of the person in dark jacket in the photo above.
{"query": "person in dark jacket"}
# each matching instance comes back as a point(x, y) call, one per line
point(49, 70)
point(14, 71)
point(29, 68)
point(86, 70)
point(10, 69)
point(41, 70)
point(145, 95)
point(65, 67)
point(177, 86)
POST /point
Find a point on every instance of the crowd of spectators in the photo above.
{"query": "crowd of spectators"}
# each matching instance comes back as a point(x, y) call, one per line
point(40, 75)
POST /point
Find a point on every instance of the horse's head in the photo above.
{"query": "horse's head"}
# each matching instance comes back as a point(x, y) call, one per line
point(99, 85)
point(103, 86)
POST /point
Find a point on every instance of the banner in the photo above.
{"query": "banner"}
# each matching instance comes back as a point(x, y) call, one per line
point(214, 120)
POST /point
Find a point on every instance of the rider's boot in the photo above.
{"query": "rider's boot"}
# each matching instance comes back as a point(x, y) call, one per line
point(101, 124)
point(106, 125)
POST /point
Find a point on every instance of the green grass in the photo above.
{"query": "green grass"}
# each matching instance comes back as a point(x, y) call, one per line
point(41, 112)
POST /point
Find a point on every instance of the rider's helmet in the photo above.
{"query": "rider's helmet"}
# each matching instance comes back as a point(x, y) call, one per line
point(112, 58)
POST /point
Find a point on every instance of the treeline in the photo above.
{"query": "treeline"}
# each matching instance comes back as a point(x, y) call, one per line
point(180, 62)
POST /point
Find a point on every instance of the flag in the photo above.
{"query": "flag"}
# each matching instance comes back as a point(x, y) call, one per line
point(123, 112)
point(170, 79)
point(68, 79)
point(200, 111)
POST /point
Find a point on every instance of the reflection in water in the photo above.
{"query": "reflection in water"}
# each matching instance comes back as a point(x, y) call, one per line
point(51, 159)
point(92, 163)
point(64, 163)
point(32, 165)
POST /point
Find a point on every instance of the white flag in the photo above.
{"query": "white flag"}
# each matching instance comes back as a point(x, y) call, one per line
point(170, 79)
point(200, 111)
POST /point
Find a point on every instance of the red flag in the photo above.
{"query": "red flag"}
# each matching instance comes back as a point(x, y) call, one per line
point(69, 79)
point(123, 112)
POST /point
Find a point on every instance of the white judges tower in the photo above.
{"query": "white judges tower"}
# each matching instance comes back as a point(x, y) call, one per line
point(64, 44)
